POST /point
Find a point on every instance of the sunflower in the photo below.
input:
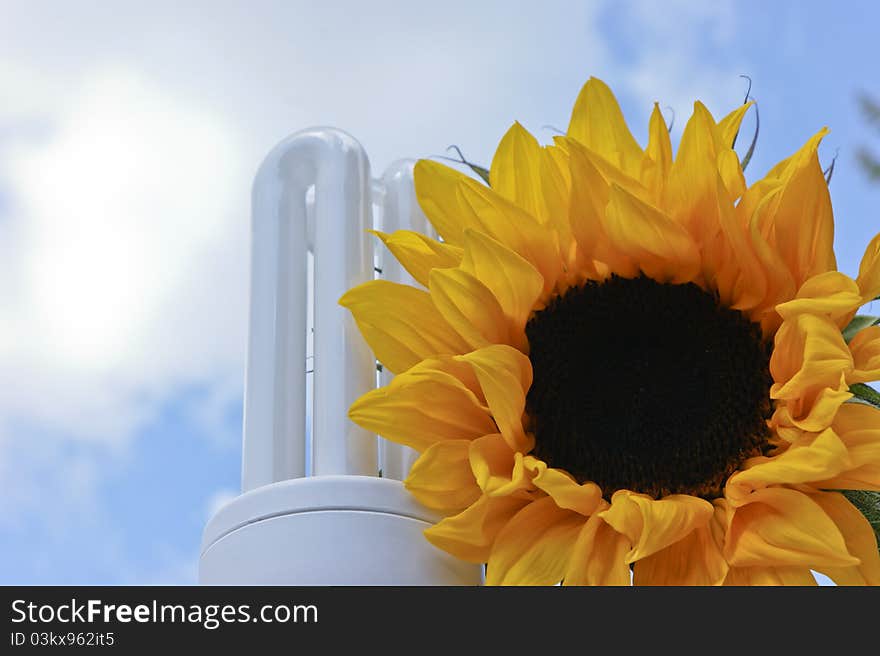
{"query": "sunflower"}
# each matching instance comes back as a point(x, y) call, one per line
point(623, 366)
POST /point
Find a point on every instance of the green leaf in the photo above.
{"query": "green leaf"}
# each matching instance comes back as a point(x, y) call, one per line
point(865, 394)
point(868, 503)
point(858, 323)
point(480, 171)
point(751, 151)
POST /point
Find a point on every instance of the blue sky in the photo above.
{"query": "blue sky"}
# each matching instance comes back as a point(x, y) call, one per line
point(128, 141)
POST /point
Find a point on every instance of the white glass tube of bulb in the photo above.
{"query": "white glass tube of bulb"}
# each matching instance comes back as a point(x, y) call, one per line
point(344, 366)
point(400, 211)
point(275, 385)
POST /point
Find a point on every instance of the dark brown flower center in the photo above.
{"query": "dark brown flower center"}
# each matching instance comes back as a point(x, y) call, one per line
point(646, 386)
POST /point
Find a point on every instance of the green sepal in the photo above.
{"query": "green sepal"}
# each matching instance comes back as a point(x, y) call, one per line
point(865, 394)
point(480, 171)
point(868, 503)
point(859, 322)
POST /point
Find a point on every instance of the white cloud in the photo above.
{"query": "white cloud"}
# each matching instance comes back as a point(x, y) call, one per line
point(122, 283)
point(683, 51)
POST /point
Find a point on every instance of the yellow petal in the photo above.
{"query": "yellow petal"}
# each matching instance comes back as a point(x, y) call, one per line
point(662, 248)
point(535, 545)
point(657, 160)
point(607, 171)
point(703, 156)
point(455, 366)
point(422, 406)
point(469, 307)
point(470, 534)
point(696, 559)
point(780, 285)
point(861, 541)
point(865, 348)
point(598, 556)
point(498, 470)
point(755, 207)
point(651, 525)
point(812, 414)
point(515, 172)
point(766, 576)
point(730, 124)
point(816, 458)
point(861, 477)
point(490, 458)
point(589, 198)
point(401, 324)
point(567, 492)
point(869, 270)
point(801, 216)
point(437, 192)
point(781, 527)
point(598, 123)
point(511, 279)
point(692, 194)
point(731, 174)
point(787, 168)
point(810, 354)
point(831, 294)
point(555, 186)
point(858, 426)
point(856, 417)
point(442, 478)
point(512, 226)
point(740, 277)
point(505, 376)
point(419, 254)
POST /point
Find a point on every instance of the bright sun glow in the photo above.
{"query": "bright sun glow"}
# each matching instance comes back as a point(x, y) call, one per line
point(111, 204)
